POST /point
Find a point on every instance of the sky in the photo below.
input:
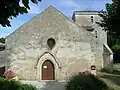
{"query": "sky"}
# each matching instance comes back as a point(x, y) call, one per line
point(67, 7)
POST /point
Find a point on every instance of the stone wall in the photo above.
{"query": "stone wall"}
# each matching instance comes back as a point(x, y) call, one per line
point(67, 57)
point(27, 47)
point(97, 35)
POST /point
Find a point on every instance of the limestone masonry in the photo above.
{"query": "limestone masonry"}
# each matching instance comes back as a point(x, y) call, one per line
point(52, 47)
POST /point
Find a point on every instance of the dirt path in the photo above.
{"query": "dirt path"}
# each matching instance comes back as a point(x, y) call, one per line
point(112, 79)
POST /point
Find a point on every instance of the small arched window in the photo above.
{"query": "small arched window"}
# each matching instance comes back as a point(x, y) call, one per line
point(51, 43)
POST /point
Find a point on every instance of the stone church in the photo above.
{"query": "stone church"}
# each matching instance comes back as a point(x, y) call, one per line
point(50, 46)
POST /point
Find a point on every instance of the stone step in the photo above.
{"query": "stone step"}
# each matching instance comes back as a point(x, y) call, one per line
point(46, 85)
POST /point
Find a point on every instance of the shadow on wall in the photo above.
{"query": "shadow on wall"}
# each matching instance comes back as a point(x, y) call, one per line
point(108, 67)
point(2, 70)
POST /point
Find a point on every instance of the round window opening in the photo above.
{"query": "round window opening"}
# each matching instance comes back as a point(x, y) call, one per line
point(51, 43)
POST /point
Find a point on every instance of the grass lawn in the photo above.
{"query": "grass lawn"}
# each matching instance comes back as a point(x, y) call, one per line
point(112, 79)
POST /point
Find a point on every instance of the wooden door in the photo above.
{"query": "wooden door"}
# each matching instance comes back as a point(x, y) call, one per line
point(47, 70)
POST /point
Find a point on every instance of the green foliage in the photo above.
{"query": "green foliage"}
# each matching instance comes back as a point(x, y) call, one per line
point(116, 48)
point(86, 82)
point(2, 40)
point(111, 23)
point(14, 85)
point(27, 87)
point(12, 8)
point(111, 20)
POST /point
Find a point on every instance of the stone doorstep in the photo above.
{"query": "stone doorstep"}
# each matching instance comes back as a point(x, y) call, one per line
point(43, 81)
point(40, 85)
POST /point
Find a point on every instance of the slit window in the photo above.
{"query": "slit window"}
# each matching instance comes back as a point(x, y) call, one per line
point(91, 18)
point(96, 34)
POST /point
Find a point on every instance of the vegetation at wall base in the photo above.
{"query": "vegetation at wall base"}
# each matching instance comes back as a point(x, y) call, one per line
point(86, 82)
point(14, 85)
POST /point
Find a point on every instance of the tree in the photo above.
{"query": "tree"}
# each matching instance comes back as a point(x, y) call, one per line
point(111, 23)
point(111, 18)
point(12, 8)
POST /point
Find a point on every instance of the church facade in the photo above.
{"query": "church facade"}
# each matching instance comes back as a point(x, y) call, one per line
point(52, 47)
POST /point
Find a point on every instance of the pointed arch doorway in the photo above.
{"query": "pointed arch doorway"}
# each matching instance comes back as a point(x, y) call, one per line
point(48, 72)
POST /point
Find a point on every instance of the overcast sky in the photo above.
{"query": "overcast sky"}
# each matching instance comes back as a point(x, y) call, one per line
point(65, 6)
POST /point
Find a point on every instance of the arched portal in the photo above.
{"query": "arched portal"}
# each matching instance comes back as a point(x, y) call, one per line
point(50, 57)
point(48, 71)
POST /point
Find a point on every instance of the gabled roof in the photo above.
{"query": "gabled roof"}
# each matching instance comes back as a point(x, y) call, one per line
point(48, 10)
point(107, 50)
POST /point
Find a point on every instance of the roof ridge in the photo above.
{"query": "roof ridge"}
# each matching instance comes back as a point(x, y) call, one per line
point(41, 14)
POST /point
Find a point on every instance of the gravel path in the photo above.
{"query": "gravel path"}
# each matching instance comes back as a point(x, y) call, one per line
point(47, 85)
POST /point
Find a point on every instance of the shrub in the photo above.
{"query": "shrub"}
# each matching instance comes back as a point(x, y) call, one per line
point(14, 85)
point(9, 74)
point(27, 87)
point(86, 81)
